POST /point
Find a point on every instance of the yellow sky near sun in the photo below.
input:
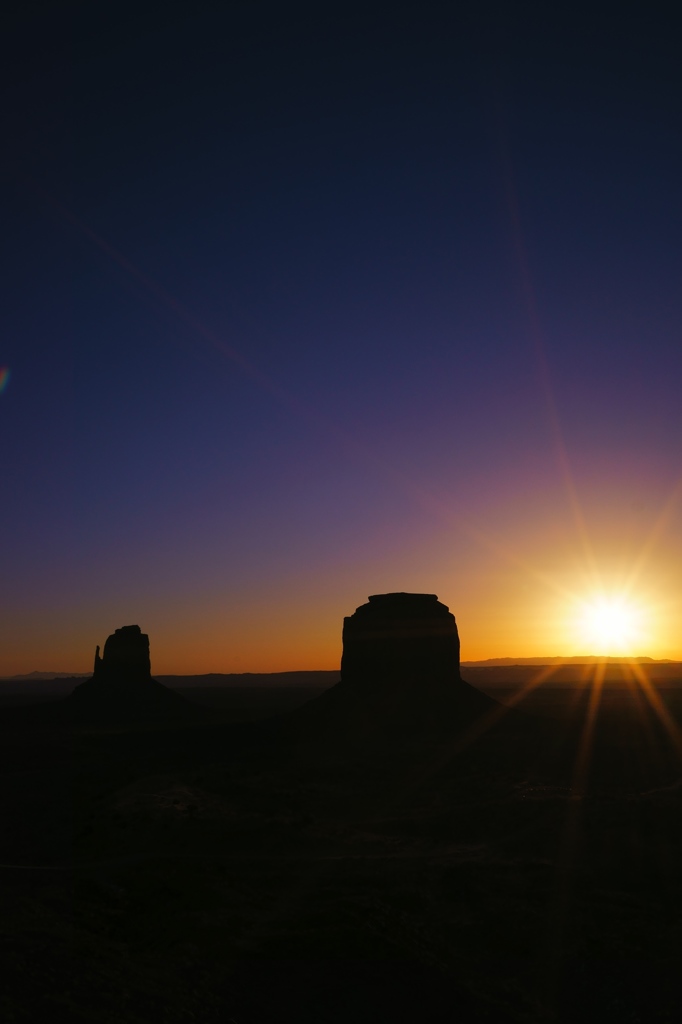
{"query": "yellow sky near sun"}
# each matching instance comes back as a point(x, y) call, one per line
point(501, 610)
point(522, 582)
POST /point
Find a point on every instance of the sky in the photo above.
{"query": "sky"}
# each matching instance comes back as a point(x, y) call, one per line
point(308, 302)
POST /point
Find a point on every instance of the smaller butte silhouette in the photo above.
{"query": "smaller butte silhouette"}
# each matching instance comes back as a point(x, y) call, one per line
point(122, 689)
point(126, 656)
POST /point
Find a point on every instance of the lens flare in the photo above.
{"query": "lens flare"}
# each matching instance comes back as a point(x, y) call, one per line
point(610, 625)
point(4, 377)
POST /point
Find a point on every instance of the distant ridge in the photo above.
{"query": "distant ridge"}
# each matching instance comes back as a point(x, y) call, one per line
point(61, 684)
point(306, 677)
point(581, 659)
point(47, 675)
point(252, 680)
point(325, 677)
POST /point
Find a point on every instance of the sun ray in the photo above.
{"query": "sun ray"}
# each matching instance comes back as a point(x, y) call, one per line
point(570, 838)
point(538, 341)
point(478, 728)
point(654, 536)
point(643, 711)
point(658, 707)
point(582, 763)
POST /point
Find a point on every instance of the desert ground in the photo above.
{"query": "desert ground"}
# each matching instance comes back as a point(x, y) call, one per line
point(252, 865)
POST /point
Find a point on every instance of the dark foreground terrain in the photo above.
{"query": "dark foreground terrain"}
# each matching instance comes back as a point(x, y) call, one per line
point(235, 870)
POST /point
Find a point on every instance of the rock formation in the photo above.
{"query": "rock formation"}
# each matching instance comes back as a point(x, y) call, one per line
point(400, 687)
point(122, 690)
point(401, 638)
point(126, 655)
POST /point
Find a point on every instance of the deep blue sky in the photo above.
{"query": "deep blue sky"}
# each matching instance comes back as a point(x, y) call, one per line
point(305, 302)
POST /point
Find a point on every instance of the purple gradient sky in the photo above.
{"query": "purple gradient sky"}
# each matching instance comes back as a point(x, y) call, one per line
point(303, 304)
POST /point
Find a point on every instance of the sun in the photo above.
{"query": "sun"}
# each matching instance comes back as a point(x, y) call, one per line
point(611, 625)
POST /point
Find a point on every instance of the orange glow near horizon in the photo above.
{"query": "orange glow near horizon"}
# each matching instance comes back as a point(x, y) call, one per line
point(497, 617)
point(519, 585)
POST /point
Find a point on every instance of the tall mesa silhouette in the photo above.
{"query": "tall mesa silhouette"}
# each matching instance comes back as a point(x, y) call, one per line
point(400, 637)
point(400, 681)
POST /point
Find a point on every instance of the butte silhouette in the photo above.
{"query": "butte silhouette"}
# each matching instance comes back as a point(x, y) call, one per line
point(399, 639)
point(400, 680)
point(121, 688)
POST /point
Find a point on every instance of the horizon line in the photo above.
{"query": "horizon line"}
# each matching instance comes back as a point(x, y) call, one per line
point(573, 659)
